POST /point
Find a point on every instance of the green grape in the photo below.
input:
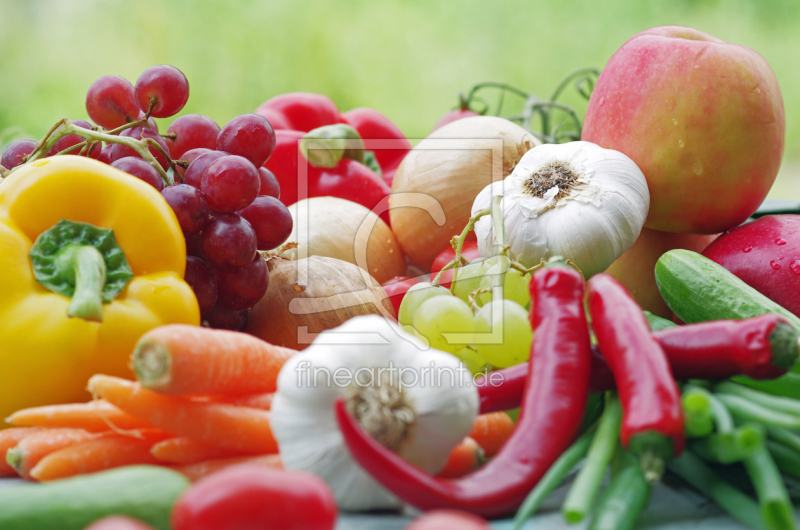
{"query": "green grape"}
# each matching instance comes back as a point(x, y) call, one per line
point(443, 315)
point(472, 360)
point(414, 298)
point(515, 285)
point(468, 278)
point(514, 346)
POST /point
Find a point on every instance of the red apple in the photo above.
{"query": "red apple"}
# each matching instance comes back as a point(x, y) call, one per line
point(703, 119)
point(635, 269)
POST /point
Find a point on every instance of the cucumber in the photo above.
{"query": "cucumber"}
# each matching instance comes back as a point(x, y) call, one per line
point(143, 492)
point(697, 290)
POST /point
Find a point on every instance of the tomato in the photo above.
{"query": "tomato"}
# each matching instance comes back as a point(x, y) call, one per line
point(469, 251)
point(118, 522)
point(454, 115)
point(301, 111)
point(396, 290)
point(252, 497)
point(448, 520)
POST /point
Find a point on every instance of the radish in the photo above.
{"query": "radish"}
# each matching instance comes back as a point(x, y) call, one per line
point(765, 254)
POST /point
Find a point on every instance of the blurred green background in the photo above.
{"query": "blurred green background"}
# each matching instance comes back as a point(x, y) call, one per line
point(407, 59)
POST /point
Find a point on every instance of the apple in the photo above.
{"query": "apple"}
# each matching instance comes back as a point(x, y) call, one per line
point(702, 118)
point(635, 269)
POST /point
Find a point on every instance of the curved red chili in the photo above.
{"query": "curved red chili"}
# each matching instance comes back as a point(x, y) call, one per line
point(708, 350)
point(652, 416)
point(552, 410)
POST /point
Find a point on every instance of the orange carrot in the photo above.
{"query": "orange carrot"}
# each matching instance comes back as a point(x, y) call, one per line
point(188, 451)
point(94, 416)
point(9, 438)
point(466, 457)
point(186, 360)
point(256, 401)
point(241, 429)
point(36, 446)
point(195, 472)
point(491, 431)
point(104, 452)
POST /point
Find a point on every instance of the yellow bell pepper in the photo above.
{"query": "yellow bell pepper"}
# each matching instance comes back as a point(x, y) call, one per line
point(46, 355)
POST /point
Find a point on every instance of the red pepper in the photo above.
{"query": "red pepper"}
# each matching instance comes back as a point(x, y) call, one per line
point(709, 350)
point(299, 111)
point(381, 136)
point(396, 290)
point(551, 414)
point(469, 252)
point(652, 416)
point(253, 496)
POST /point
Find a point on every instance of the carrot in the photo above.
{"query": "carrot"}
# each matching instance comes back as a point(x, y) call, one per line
point(241, 429)
point(9, 438)
point(491, 431)
point(36, 446)
point(466, 457)
point(188, 451)
point(104, 452)
point(256, 401)
point(195, 472)
point(94, 416)
point(186, 360)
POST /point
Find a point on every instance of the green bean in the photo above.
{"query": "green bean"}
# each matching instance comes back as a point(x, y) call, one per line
point(728, 448)
point(583, 491)
point(746, 410)
point(785, 437)
point(697, 417)
point(780, 404)
point(553, 478)
point(776, 507)
point(788, 461)
point(695, 472)
point(722, 417)
point(622, 501)
point(787, 385)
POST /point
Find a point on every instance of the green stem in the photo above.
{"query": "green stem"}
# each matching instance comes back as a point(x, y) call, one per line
point(84, 266)
point(787, 460)
point(776, 508)
point(780, 404)
point(654, 449)
point(458, 246)
point(697, 417)
point(498, 280)
point(787, 385)
point(327, 146)
point(748, 411)
point(729, 448)
point(583, 491)
point(698, 475)
point(623, 500)
point(553, 478)
point(722, 417)
point(785, 437)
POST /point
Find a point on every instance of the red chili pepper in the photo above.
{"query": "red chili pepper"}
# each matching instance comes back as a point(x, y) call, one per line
point(299, 111)
point(652, 416)
point(381, 136)
point(709, 350)
point(469, 251)
point(252, 496)
point(551, 415)
point(396, 290)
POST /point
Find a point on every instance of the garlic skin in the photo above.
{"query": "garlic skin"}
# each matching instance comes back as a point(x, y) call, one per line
point(437, 416)
point(575, 200)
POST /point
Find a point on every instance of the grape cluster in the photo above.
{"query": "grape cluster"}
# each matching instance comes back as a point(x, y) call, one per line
point(226, 202)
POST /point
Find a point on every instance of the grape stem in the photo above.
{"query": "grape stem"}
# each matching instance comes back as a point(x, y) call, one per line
point(458, 245)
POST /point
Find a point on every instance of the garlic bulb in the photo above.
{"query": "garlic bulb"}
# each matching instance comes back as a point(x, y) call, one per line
point(419, 403)
point(575, 200)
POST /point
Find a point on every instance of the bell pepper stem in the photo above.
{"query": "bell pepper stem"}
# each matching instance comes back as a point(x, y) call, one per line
point(327, 146)
point(84, 265)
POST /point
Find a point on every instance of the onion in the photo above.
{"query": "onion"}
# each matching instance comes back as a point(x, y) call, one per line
point(341, 229)
point(311, 295)
point(443, 174)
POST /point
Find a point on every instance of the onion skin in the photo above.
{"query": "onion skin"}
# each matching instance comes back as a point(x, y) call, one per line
point(449, 166)
point(341, 229)
point(339, 290)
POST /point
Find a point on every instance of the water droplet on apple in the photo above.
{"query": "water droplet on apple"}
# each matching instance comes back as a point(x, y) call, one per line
point(674, 121)
point(795, 266)
point(780, 242)
point(670, 103)
point(747, 249)
point(775, 265)
point(697, 167)
point(697, 67)
point(680, 143)
point(758, 90)
point(602, 101)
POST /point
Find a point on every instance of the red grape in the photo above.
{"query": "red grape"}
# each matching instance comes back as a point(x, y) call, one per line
point(73, 139)
point(271, 221)
point(193, 246)
point(189, 205)
point(250, 136)
point(191, 132)
point(223, 318)
point(139, 133)
point(230, 183)
point(228, 242)
point(140, 169)
point(14, 153)
point(201, 279)
point(244, 288)
point(165, 84)
point(269, 183)
point(110, 102)
point(189, 157)
point(194, 173)
point(105, 154)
